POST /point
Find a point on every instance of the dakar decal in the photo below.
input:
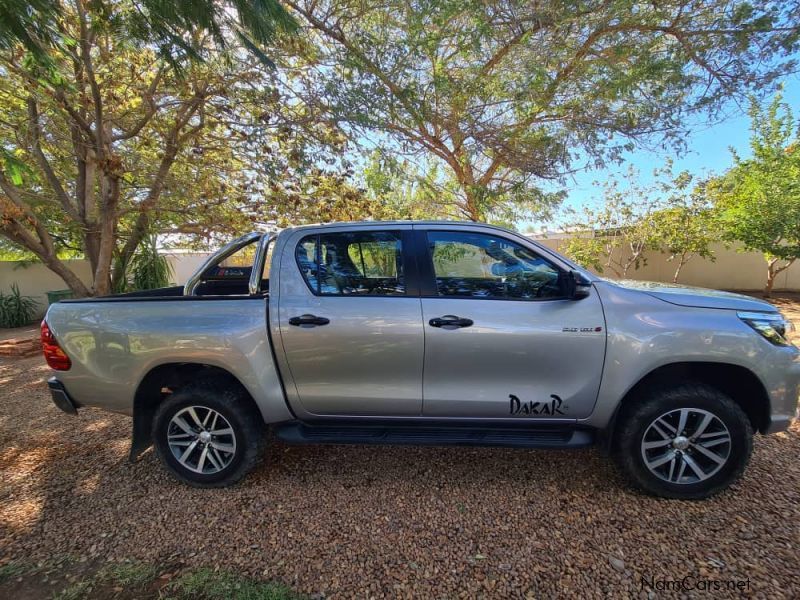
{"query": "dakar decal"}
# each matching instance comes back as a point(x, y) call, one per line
point(531, 408)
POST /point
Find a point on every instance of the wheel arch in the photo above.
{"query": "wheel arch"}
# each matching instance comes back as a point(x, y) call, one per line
point(738, 382)
point(163, 380)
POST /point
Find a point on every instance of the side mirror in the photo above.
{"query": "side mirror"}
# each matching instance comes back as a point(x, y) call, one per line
point(577, 286)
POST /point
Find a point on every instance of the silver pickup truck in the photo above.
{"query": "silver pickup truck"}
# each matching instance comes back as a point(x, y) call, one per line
point(428, 333)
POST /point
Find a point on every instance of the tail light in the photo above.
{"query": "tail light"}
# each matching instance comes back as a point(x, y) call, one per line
point(53, 353)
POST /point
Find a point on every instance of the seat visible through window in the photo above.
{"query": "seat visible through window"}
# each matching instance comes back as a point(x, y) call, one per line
point(353, 263)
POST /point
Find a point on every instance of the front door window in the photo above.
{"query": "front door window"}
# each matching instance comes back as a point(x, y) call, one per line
point(475, 265)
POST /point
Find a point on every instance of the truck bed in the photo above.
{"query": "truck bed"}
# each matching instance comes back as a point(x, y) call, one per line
point(116, 341)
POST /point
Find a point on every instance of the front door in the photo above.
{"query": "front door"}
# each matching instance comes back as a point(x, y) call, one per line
point(501, 338)
point(351, 324)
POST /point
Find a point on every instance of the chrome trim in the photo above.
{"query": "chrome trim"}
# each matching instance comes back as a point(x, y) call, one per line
point(258, 264)
point(761, 316)
point(223, 253)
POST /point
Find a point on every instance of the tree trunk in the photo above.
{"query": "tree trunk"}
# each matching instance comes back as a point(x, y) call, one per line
point(610, 263)
point(681, 262)
point(471, 208)
point(108, 217)
point(91, 246)
point(105, 256)
point(770, 282)
point(73, 281)
point(772, 274)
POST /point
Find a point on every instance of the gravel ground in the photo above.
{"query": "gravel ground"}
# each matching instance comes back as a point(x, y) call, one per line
point(342, 521)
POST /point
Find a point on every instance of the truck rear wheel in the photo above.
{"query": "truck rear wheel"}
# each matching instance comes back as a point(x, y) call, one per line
point(689, 442)
point(208, 434)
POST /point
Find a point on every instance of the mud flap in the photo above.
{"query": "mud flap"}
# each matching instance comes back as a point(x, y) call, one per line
point(141, 437)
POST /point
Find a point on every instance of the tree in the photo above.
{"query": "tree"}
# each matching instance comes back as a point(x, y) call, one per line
point(685, 227)
point(506, 96)
point(97, 133)
point(407, 190)
point(684, 232)
point(322, 197)
point(617, 235)
point(176, 30)
point(759, 197)
point(669, 215)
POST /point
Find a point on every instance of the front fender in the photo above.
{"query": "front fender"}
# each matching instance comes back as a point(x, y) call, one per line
point(645, 334)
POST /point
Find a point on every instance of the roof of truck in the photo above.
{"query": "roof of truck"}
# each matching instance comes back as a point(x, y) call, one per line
point(398, 222)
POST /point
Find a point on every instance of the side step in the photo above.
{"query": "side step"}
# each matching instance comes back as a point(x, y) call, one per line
point(428, 435)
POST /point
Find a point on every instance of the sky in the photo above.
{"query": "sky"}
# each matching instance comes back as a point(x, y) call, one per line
point(707, 152)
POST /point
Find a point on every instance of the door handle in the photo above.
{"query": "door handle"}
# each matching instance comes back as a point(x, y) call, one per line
point(308, 320)
point(450, 321)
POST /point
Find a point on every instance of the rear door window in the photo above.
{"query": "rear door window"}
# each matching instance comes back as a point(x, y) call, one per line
point(353, 263)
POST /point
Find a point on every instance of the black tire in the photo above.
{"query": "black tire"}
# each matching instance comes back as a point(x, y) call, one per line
point(658, 401)
point(231, 402)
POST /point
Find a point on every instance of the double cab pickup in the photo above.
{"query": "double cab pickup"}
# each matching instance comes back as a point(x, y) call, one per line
point(436, 333)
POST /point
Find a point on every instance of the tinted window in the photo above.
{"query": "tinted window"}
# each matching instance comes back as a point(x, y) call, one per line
point(306, 254)
point(474, 265)
point(353, 263)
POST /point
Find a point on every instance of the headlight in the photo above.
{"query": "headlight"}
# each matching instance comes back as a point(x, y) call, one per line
point(771, 326)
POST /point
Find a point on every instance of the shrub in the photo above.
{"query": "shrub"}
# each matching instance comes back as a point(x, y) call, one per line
point(17, 310)
point(151, 270)
point(147, 270)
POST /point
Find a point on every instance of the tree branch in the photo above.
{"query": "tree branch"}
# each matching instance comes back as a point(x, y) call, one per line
point(44, 164)
point(82, 123)
point(371, 66)
point(86, 56)
point(150, 109)
point(174, 141)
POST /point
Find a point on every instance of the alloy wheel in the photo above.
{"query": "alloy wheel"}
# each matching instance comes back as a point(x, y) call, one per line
point(686, 445)
point(201, 440)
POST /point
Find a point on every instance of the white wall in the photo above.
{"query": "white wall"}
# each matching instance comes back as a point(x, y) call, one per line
point(184, 264)
point(732, 270)
point(36, 279)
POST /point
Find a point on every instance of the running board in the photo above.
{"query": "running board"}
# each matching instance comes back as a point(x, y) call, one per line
point(508, 437)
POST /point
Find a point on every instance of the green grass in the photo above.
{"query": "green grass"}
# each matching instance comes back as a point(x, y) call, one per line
point(12, 569)
point(129, 573)
point(77, 591)
point(138, 577)
point(221, 585)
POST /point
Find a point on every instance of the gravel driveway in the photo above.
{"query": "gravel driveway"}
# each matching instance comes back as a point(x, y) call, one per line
point(358, 521)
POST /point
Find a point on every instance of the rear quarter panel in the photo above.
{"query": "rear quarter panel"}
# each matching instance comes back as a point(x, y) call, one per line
point(114, 343)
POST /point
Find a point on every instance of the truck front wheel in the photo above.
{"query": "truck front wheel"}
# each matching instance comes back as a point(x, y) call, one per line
point(208, 434)
point(689, 441)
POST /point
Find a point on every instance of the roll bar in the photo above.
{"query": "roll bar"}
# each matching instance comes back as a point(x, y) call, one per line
point(223, 253)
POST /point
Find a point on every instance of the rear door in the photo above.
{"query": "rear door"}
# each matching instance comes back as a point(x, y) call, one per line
point(501, 338)
point(350, 322)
